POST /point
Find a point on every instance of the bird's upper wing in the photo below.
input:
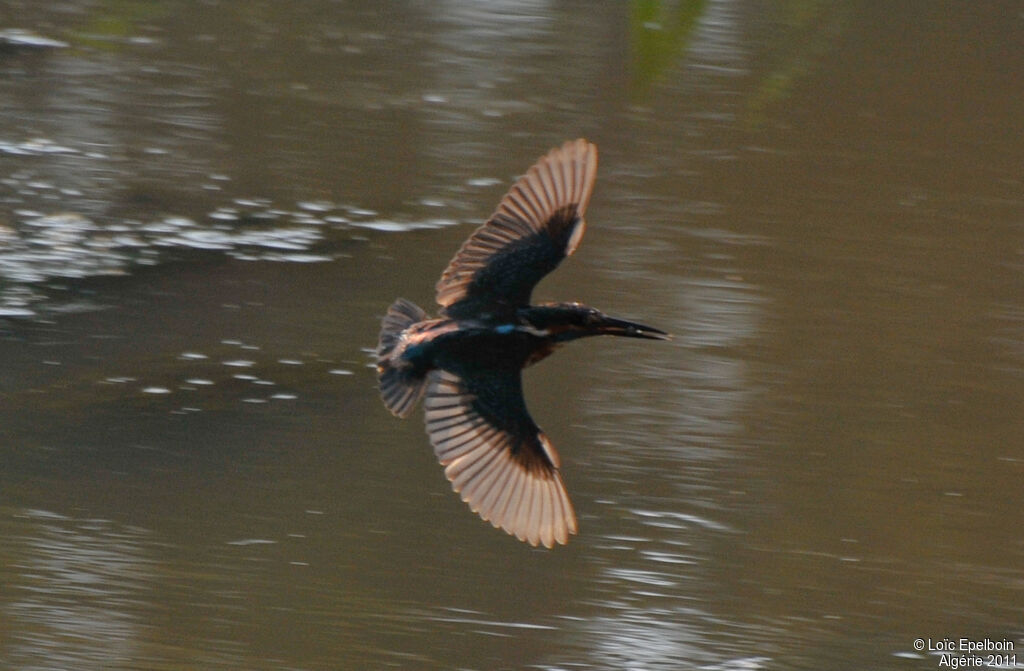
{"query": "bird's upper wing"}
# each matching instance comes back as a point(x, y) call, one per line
point(538, 223)
point(495, 455)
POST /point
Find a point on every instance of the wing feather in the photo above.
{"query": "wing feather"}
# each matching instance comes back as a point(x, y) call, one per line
point(539, 222)
point(496, 459)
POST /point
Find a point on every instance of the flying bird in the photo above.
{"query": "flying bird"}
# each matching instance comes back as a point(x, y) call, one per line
point(468, 362)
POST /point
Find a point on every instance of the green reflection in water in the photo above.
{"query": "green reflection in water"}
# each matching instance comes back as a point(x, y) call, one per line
point(809, 29)
point(658, 34)
point(112, 23)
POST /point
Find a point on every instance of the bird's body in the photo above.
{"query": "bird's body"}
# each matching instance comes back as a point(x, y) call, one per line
point(468, 361)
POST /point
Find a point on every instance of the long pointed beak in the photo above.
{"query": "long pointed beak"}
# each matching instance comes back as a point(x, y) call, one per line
point(621, 327)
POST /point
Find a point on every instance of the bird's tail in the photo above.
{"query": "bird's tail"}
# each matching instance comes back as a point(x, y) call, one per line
point(400, 387)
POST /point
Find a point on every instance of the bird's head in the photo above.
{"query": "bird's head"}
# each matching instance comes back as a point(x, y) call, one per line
point(569, 321)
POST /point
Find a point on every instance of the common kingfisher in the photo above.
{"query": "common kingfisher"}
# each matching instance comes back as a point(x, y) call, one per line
point(468, 361)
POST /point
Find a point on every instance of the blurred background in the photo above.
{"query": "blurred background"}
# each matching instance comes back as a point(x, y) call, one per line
point(206, 206)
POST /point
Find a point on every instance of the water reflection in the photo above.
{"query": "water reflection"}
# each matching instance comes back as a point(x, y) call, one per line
point(659, 35)
point(675, 498)
point(205, 212)
point(68, 245)
point(78, 591)
point(19, 39)
point(70, 162)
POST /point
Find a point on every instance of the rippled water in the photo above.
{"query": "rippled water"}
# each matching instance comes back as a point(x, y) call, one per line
point(206, 207)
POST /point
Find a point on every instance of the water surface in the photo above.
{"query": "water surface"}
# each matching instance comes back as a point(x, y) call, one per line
point(206, 207)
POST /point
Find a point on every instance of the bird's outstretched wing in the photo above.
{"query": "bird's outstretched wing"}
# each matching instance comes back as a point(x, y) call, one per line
point(496, 457)
point(538, 223)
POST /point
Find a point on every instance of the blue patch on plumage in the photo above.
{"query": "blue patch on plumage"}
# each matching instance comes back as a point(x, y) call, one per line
point(505, 329)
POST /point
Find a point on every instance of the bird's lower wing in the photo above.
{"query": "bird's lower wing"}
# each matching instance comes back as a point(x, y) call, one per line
point(495, 456)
